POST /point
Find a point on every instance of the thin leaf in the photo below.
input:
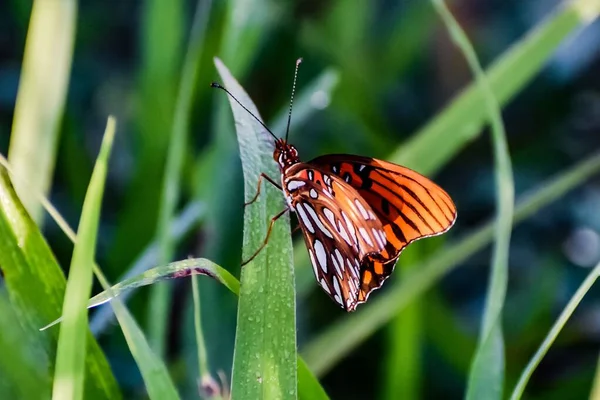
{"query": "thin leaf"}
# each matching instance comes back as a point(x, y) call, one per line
point(41, 97)
point(554, 331)
point(264, 364)
point(161, 294)
point(70, 354)
point(323, 352)
point(486, 378)
point(463, 119)
point(308, 385)
point(35, 286)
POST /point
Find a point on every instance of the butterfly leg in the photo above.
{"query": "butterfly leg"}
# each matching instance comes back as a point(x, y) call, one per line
point(275, 218)
point(260, 178)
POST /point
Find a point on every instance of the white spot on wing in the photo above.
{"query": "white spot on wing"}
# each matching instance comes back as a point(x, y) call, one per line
point(336, 287)
point(324, 286)
point(304, 218)
point(314, 264)
point(372, 216)
point(350, 227)
point(313, 193)
point(338, 262)
point(344, 234)
point(329, 214)
point(365, 235)
point(361, 167)
point(361, 208)
point(321, 255)
point(317, 220)
point(294, 185)
point(378, 237)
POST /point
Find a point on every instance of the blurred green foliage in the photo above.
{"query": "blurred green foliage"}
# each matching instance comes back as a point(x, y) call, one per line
point(387, 68)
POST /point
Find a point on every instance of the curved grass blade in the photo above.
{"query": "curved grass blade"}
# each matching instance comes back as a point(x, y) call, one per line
point(35, 286)
point(264, 364)
point(70, 353)
point(153, 370)
point(554, 331)
point(161, 294)
point(486, 378)
point(308, 385)
point(41, 97)
point(178, 269)
point(329, 347)
point(463, 119)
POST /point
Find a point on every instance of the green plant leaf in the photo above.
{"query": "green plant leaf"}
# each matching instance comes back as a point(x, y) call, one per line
point(308, 385)
point(264, 364)
point(70, 354)
point(41, 97)
point(463, 119)
point(554, 331)
point(160, 297)
point(342, 336)
point(486, 378)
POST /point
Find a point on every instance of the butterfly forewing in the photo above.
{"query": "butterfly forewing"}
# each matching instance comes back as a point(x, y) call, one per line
point(340, 229)
point(409, 205)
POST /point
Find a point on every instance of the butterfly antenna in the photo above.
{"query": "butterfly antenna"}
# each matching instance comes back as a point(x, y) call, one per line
point(287, 129)
point(218, 86)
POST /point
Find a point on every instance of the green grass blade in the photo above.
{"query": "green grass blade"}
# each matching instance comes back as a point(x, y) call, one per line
point(70, 354)
point(463, 119)
point(23, 367)
point(554, 331)
point(308, 385)
point(486, 378)
point(161, 294)
point(41, 97)
point(264, 364)
point(35, 286)
point(188, 219)
point(595, 392)
point(402, 375)
point(161, 52)
point(341, 337)
point(153, 370)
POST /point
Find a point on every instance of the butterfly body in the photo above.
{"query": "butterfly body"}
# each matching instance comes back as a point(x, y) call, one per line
point(357, 215)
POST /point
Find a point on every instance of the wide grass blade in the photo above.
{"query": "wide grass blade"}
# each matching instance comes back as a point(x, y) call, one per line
point(70, 354)
point(486, 378)
point(154, 372)
point(554, 331)
point(41, 97)
point(323, 352)
point(264, 364)
point(35, 286)
point(308, 385)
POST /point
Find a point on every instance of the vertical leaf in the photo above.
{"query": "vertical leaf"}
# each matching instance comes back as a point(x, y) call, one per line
point(264, 364)
point(41, 97)
point(70, 357)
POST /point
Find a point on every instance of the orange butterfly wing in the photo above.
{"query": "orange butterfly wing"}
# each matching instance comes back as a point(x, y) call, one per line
point(409, 205)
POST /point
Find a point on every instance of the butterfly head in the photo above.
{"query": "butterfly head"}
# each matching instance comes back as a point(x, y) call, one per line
point(285, 154)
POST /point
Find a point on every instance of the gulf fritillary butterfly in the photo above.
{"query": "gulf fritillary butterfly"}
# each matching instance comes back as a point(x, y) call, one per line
point(356, 214)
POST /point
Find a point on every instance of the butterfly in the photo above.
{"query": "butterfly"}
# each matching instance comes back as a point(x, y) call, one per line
point(356, 214)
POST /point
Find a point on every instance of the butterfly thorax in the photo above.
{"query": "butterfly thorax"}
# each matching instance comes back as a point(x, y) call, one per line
point(285, 154)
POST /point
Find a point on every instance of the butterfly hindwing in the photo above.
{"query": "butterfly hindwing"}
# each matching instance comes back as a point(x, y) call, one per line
point(409, 205)
point(340, 229)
